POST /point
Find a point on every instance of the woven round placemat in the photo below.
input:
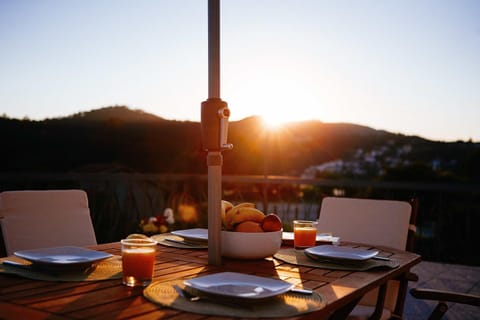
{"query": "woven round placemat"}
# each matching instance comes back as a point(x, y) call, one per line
point(163, 239)
point(107, 269)
point(285, 305)
point(298, 257)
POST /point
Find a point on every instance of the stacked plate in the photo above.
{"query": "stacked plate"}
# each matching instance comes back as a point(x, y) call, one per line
point(238, 285)
point(322, 238)
point(339, 254)
point(196, 235)
point(62, 258)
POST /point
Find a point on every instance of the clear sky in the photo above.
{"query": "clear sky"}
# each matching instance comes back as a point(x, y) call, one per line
point(406, 66)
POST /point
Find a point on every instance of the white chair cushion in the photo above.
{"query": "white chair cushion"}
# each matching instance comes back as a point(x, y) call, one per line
point(369, 221)
point(377, 222)
point(36, 219)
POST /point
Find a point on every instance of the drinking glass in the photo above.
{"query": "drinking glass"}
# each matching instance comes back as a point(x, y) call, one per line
point(138, 259)
point(304, 234)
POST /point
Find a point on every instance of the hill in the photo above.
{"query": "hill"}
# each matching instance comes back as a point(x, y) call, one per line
point(116, 113)
point(121, 139)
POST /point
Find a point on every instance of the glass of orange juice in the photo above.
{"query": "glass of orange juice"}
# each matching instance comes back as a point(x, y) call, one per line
point(138, 259)
point(304, 234)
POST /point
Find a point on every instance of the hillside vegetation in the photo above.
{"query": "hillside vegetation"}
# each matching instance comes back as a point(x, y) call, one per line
point(118, 139)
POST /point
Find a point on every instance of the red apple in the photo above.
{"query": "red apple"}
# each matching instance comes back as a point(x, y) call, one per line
point(271, 222)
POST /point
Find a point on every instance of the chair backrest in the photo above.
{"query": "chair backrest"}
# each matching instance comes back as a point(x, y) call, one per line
point(45, 218)
point(371, 221)
point(377, 222)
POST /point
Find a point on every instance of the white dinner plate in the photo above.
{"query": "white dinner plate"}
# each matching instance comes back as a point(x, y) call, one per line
point(196, 234)
point(320, 237)
point(332, 252)
point(62, 257)
point(239, 285)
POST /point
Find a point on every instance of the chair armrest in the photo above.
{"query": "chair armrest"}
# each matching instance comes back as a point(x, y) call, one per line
point(410, 276)
point(447, 296)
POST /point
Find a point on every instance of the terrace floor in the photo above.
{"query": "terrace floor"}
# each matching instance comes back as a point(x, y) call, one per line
point(434, 275)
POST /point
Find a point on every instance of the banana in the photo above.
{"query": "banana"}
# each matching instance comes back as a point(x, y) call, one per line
point(226, 206)
point(245, 204)
point(233, 212)
point(246, 214)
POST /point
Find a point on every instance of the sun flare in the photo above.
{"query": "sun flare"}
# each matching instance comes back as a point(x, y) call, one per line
point(274, 122)
point(279, 101)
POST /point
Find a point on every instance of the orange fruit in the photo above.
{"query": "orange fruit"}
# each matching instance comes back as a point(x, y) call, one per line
point(248, 226)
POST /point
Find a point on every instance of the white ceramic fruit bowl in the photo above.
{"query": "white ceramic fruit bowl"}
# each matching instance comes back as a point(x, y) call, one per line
point(250, 245)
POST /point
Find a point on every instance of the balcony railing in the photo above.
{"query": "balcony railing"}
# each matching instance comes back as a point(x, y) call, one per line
point(447, 220)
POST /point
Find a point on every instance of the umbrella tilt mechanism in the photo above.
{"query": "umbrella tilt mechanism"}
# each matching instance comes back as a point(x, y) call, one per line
point(215, 114)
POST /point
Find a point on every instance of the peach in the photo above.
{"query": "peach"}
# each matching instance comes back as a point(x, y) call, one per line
point(271, 222)
point(248, 226)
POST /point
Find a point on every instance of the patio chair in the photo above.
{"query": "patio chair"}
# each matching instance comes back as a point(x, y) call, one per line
point(36, 219)
point(388, 223)
point(442, 297)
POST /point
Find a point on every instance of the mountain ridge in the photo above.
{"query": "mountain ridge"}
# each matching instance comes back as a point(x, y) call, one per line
point(120, 139)
point(127, 114)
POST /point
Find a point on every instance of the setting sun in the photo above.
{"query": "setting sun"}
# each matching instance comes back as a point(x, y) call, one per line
point(282, 114)
point(277, 118)
point(273, 121)
point(277, 100)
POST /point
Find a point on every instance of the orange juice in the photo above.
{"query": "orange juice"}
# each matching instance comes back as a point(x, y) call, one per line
point(138, 260)
point(304, 234)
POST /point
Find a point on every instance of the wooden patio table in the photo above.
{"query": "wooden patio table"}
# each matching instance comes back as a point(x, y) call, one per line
point(22, 298)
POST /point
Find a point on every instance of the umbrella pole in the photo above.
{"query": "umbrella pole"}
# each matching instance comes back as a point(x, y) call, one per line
point(214, 207)
point(215, 115)
point(214, 48)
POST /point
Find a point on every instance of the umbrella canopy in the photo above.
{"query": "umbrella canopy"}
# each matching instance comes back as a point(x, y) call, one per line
point(214, 124)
